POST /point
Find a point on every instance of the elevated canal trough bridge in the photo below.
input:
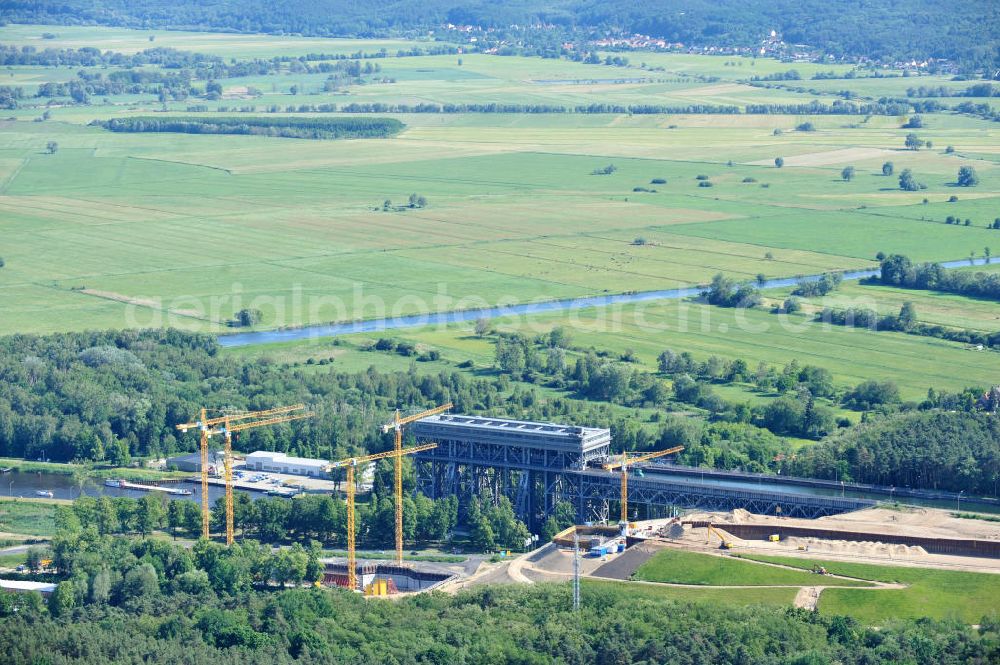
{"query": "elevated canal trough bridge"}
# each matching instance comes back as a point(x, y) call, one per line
point(537, 465)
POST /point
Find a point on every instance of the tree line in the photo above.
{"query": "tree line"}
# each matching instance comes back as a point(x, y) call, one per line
point(173, 76)
point(303, 128)
point(800, 411)
point(984, 89)
point(812, 108)
point(89, 56)
point(489, 522)
point(594, 108)
point(900, 270)
point(172, 83)
point(905, 321)
point(304, 519)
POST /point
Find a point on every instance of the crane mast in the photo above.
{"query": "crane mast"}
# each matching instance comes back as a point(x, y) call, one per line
point(227, 425)
point(624, 462)
point(397, 426)
point(350, 464)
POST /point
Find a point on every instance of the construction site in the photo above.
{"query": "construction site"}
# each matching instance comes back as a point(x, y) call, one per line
point(905, 536)
point(873, 539)
point(629, 506)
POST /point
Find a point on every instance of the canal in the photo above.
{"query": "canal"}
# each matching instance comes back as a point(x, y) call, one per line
point(27, 485)
point(778, 487)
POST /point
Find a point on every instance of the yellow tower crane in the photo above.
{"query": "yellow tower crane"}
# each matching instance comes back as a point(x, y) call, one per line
point(350, 464)
point(397, 426)
point(227, 425)
point(625, 461)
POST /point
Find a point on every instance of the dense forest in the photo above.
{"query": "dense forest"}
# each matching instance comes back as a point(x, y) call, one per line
point(122, 600)
point(964, 32)
point(106, 397)
point(298, 128)
point(941, 450)
point(112, 395)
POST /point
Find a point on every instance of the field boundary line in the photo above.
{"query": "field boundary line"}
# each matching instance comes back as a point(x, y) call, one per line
point(12, 176)
point(177, 161)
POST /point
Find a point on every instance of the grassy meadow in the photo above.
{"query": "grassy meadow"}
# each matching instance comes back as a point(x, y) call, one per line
point(682, 567)
point(139, 230)
point(939, 594)
point(933, 307)
point(31, 518)
point(769, 596)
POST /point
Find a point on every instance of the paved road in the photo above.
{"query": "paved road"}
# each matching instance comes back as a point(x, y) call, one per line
point(16, 549)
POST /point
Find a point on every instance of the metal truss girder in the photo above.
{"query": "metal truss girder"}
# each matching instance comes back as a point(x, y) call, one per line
point(464, 469)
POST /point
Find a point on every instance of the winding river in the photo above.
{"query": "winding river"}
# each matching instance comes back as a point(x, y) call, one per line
point(444, 318)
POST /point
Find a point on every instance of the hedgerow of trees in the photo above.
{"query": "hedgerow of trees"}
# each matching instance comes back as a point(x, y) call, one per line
point(301, 128)
point(899, 270)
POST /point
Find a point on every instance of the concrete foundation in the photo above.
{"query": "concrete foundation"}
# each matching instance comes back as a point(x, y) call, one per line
point(405, 579)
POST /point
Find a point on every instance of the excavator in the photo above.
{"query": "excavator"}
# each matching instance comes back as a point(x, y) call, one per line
point(724, 544)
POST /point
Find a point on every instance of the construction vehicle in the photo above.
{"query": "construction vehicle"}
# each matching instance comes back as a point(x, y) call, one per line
point(623, 463)
point(725, 544)
point(397, 426)
point(227, 425)
point(350, 464)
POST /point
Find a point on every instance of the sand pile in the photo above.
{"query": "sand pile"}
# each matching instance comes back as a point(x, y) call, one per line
point(861, 547)
point(740, 516)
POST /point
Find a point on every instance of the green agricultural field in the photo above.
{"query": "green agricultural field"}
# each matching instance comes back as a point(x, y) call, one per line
point(124, 40)
point(681, 567)
point(139, 230)
point(30, 518)
point(938, 594)
point(103, 228)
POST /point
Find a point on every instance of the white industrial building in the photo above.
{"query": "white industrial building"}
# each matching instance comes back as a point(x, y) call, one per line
point(22, 586)
point(263, 460)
